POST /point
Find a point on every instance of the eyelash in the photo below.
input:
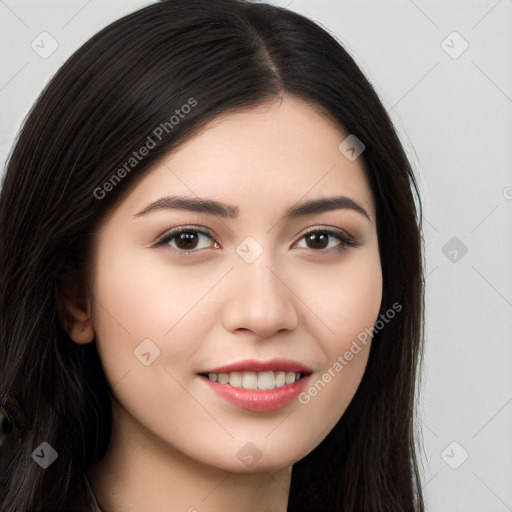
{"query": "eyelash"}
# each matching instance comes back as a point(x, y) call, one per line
point(345, 240)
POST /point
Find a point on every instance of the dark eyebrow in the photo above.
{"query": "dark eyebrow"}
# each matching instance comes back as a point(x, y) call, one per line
point(325, 205)
point(211, 207)
point(192, 204)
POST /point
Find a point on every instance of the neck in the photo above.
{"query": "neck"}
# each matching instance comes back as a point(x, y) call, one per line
point(139, 473)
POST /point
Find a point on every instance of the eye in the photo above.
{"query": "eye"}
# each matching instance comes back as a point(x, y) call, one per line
point(188, 240)
point(326, 239)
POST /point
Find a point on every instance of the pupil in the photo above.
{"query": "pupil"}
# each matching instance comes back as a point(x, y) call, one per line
point(187, 240)
point(319, 240)
point(6, 426)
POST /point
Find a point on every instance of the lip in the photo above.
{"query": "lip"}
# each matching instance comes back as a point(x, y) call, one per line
point(259, 400)
point(254, 365)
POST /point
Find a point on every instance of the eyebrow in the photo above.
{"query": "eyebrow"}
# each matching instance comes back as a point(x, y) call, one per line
point(223, 210)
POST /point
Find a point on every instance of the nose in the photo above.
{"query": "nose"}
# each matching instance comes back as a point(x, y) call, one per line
point(259, 299)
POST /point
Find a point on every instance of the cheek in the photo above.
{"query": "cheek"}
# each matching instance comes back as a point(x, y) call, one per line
point(348, 308)
point(136, 300)
point(145, 318)
point(345, 300)
point(144, 296)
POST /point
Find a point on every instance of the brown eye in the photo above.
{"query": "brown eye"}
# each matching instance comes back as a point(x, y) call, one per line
point(326, 239)
point(317, 240)
point(188, 240)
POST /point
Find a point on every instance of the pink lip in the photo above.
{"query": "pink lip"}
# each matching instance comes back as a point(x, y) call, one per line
point(257, 399)
point(253, 365)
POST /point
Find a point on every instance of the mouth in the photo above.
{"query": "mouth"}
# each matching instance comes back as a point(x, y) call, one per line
point(259, 386)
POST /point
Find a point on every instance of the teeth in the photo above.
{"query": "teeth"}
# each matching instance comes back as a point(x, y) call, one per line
point(255, 380)
point(266, 380)
point(223, 378)
point(249, 380)
point(235, 379)
point(289, 377)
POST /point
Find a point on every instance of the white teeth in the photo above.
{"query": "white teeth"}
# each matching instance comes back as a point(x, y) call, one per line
point(289, 377)
point(280, 379)
point(223, 378)
point(255, 380)
point(235, 379)
point(250, 380)
point(266, 380)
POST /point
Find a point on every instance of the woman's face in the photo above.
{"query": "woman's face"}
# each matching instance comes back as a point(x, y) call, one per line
point(264, 285)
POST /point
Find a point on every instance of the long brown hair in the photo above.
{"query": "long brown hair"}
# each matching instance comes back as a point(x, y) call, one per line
point(102, 105)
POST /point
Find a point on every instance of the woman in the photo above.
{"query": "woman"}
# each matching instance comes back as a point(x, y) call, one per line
point(212, 276)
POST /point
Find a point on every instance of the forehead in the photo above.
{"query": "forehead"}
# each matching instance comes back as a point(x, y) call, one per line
point(274, 154)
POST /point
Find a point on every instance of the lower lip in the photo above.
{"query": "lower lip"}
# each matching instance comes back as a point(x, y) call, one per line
point(259, 400)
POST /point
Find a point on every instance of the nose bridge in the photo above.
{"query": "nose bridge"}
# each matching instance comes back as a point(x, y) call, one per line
point(260, 281)
point(258, 298)
point(253, 263)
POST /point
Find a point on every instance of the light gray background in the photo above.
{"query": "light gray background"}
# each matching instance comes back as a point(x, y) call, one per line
point(454, 115)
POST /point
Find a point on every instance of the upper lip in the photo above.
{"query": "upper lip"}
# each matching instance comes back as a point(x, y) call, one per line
point(248, 365)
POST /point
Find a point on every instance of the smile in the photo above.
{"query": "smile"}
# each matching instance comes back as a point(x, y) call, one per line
point(257, 385)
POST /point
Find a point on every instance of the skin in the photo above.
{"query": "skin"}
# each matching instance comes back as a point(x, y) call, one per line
point(175, 441)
